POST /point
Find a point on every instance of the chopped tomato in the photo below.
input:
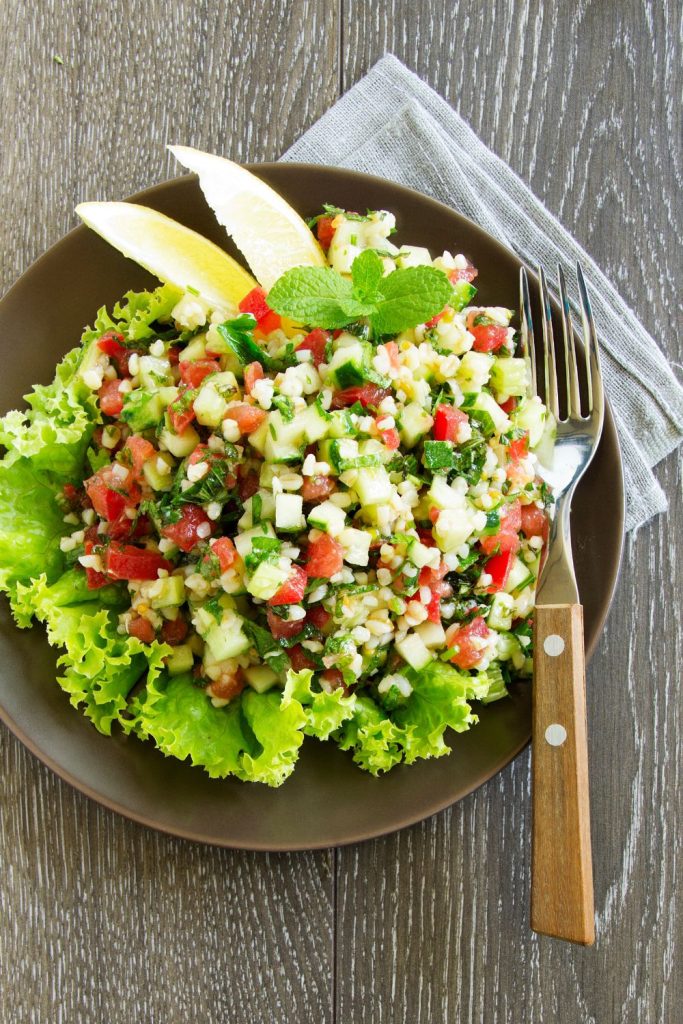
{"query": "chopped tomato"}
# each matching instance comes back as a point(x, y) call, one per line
point(127, 562)
point(174, 631)
point(390, 438)
point(252, 373)
point(392, 352)
point(447, 422)
point(94, 579)
point(228, 686)
point(142, 629)
point(111, 399)
point(247, 417)
point(498, 567)
point(315, 342)
point(434, 513)
point(507, 537)
point(467, 273)
point(534, 521)
point(193, 372)
point(300, 658)
point(426, 536)
point(325, 230)
point(488, 337)
point(435, 319)
point(433, 606)
point(429, 577)
point(247, 483)
point(111, 343)
point(519, 448)
point(199, 454)
point(510, 405)
point(468, 639)
point(317, 488)
point(366, 394)
point(256, 304)
point(318, 617)
point(140, 451)
point(292, 590)
point(224, 549)
point(325, 557)
point(334, 679)
point(173, 355)
point(108, 493)
point(185, 533)
point(181, 412)
point(280, 628)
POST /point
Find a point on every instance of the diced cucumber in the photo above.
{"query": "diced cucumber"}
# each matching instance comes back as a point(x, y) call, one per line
point(414, 651)
point(180, 445)
point(373, 486)
point(421, 555)
point(530, 415)
point(341, 424)
point(181, 659)
point(244, 541)
point(154, 371)
point(509, 377)
point(157, 480)
point(195, 349)
point(518, 573)
point(415, 423)
point(378, 452)
point(348, 366)
point(500, 612)
point(142, 409)
point(267, 579)
point(289, 515)
point(413, 256)
point(483, 407)
point(356, 544)
point(442, 495)
point(225, 383)
point(432, 634)
point(226, 639)
point(266, 500)
point(283, 440)
point(315, 426)
point(452, 528)
point(474, 370)
point(260, 678)
point(167, 592)
point(463, 293)
point(327, 517)
point(209, 407)
point(257, 439)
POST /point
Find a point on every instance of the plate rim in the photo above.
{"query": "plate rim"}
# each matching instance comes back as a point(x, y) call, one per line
point(499, 764)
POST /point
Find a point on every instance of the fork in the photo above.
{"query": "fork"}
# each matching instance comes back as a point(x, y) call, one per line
point(561, 872)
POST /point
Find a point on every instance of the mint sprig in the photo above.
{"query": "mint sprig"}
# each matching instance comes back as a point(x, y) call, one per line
point(320, 297)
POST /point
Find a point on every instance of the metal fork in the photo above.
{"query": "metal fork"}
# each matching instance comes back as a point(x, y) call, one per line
point(562, 873)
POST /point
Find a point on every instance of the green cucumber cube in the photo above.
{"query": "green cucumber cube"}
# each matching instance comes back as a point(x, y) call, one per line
point(180, 660)
point(414, 651)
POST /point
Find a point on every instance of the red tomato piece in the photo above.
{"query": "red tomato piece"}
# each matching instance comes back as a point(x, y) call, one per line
point(488, 337)
point(142, 629)
point(317, 488)
point(325, 230)
point(256, 304)
point(498, 567)
point(390, 438)
point(185, 533)
point(434, 514)
point(174, 631)
point(447, 422)
point(127, 562)
point(510, 405)
point(300, 658)
point(173, 355)
point(229, 686)
point(467, 273)
point(325, 557)
point(392, 352)
point(439, 590)
point(534, 521)
point(181, 412)
point(224, 549)
point(426, 536)
point(318, 617)
point(110, 398)
point(334, 679)
point(507, 538)
point(247, 483)
point(140, 451)
point(94, 579)
point(107, 502)
point(467, 639)
point(519, 448)
point(111, 343)
point(315, 342)
point(366, 394)
point(199, 454)
point(247, 417)
point(429, 577)
point(280, 628)
point(292, 590)
point(193, 372)
point(252, 373)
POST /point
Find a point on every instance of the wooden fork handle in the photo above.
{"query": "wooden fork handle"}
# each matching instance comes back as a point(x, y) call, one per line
point(561, 869)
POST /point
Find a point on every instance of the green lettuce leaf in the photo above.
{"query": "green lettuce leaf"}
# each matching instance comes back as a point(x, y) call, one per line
point(138, 311)
point(325, 712)
point(438, 702)
point(278, 731)
point(376, 741)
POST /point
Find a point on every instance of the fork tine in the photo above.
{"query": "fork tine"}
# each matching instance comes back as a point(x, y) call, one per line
point(596, 399)
point(571, 370)
point(549, 362)
point(527, 328)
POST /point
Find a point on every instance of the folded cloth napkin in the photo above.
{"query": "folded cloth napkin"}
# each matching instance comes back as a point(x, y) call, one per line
point(393, 125)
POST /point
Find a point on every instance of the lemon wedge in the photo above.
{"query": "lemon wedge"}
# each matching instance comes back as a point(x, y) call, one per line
point(268, 232)
point(173, 253)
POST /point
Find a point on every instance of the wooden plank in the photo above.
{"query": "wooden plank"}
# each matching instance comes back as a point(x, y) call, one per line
point(101, 919)
point(434, 922)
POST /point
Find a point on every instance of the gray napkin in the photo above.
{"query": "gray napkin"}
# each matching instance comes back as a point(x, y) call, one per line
point(393, 125)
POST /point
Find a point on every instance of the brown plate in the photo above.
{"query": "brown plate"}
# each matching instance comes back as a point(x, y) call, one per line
point(328, 800)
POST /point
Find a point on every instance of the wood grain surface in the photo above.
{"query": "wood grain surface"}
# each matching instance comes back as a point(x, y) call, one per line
point(101, 920)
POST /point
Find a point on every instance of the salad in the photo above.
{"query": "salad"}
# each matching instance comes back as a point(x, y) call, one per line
point(316, 512)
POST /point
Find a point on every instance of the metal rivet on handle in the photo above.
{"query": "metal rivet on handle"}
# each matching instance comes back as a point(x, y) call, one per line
point(553, 645)
point(555, 734)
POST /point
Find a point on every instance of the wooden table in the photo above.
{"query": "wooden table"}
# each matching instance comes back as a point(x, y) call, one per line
point(103, 921)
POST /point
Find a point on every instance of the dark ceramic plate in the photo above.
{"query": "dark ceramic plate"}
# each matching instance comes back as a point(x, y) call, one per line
point(328, 800)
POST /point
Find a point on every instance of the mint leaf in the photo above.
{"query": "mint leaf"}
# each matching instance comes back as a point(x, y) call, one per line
point(317, 296)
point(410, 297)
point(366, 273)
